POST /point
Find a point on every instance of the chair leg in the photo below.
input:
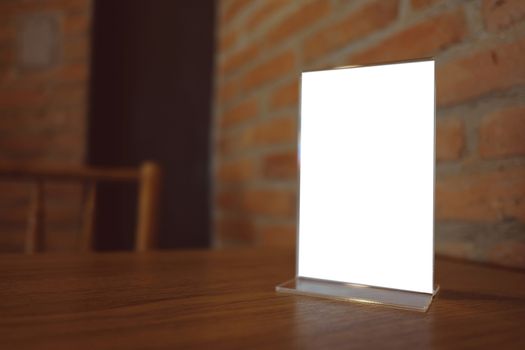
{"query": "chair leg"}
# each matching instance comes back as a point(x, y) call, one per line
point(148, 206)
point(35, 240)
point(88, 220)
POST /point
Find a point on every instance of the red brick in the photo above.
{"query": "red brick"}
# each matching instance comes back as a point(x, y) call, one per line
point(301, 19)
point(229, 200)
point(236, 171)
point(228, 40)
point(485, 196)
point(282, 130)
point(241, 112)
point(365, 20)
point(422, 4)
point(34, 146)
point(232, 9)
point(227, 91)
point(502, 133)
point(266, 202)
point(76, 24)
point(285, 95)
point(14, 193)
point(274, 68)
point(450, 139)
point(11, 8)
point(7, 32)
point(21, 97)
point(280, 166)
point(63, 191)
point(269, 202)
point(239, 59)
point(68, 95)
point(235, 230)
point(77, 50)
point(44, 110)
point(276, 131)
point(61, 209)
point(277, 235)
point(232, 143)
point(422, 39)
point(49, 120)
point(55, 215)
point(264, 12)
point(75, 72)
point(502, 14)
point(494, 69)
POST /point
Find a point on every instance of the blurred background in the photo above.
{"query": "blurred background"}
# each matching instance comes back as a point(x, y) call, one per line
point(209, 90)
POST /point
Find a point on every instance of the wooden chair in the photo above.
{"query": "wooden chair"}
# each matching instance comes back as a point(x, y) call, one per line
point(147, 176)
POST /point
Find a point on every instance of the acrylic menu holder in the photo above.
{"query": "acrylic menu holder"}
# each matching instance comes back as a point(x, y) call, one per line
point(366, 185)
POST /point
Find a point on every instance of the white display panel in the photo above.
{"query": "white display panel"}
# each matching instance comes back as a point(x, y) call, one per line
point(366, 207)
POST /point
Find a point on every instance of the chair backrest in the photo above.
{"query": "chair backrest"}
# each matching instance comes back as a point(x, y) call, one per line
point(147, 176)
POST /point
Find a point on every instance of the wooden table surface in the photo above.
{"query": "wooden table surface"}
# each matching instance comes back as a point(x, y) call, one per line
point(226, 299)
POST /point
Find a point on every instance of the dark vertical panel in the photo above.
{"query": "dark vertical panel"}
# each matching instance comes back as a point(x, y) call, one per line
point(151, 99)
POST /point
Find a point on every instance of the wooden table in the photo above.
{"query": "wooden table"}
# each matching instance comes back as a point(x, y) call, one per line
point(226, 299)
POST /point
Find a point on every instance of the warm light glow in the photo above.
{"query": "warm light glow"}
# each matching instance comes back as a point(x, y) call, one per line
point(367, 176)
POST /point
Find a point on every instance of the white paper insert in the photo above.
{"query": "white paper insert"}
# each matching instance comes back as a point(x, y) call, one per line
point(367, 176)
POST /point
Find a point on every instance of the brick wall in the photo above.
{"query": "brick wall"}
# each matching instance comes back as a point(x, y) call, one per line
point(263, 45)
point(44, 64)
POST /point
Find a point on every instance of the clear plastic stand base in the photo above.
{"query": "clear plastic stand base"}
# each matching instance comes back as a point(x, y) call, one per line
point(358, 293)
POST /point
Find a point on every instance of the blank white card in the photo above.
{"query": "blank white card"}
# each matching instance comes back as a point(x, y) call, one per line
point(366, 207)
